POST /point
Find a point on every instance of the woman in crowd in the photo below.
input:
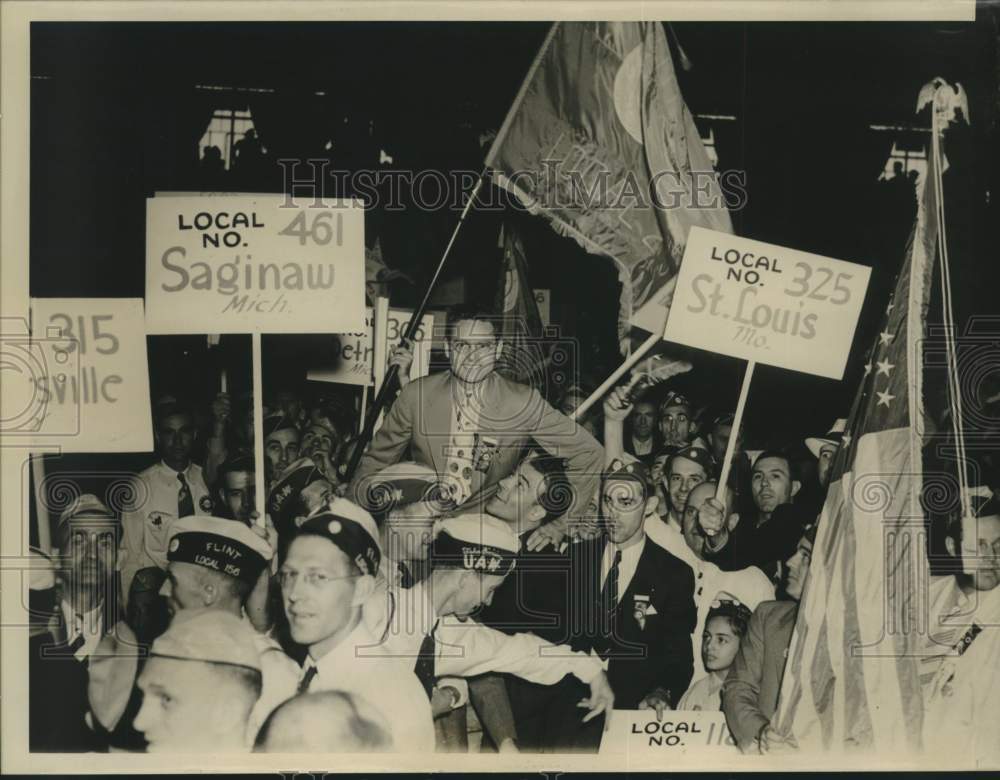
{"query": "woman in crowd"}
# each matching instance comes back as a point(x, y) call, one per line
point(725, 628)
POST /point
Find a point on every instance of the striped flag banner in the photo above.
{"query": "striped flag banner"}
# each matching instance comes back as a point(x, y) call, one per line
point(852, 676)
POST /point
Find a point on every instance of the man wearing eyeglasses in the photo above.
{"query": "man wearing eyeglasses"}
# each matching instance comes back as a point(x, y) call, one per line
point(470, 424)
point(328, 576)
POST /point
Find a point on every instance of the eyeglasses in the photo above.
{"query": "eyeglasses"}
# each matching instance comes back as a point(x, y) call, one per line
point(985, 548)
point(473, 346)
point(314, 579)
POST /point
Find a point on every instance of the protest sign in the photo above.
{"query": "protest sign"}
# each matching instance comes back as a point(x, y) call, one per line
point(638, 735)
point(766, 303)
point(353, 361)
point(92, 384)
point(241, 264)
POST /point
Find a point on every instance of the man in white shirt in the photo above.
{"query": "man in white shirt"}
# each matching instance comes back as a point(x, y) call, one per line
point(748, 586)
point(959, 671)
point(170, 489)
point(430, 624)
point(328, 575)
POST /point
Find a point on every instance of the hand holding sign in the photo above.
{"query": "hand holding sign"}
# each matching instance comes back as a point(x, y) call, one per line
point(658, 700)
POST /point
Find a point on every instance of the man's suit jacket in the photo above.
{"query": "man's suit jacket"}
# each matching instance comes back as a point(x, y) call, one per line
point(421, 418)
point(750, 693)
point(58, 684)
point(642, 655)
point(767, 545)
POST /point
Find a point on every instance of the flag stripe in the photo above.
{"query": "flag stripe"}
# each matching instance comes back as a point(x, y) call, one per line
point(853, 680)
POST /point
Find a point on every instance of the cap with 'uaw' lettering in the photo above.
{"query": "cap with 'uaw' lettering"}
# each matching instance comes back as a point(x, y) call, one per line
point(225, 546)
point(478, 543)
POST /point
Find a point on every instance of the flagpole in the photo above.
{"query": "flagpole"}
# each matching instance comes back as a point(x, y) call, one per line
point(258, 430)
point(610, 382)
point(41, 504)
point(388, 384)
point(720, 490)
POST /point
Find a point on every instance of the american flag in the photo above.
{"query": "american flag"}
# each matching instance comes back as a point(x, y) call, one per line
point(852, 676)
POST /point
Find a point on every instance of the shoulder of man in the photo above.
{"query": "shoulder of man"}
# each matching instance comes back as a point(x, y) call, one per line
point(769, 611)
point(423, 387)
point(151, 472)
point(664, 560)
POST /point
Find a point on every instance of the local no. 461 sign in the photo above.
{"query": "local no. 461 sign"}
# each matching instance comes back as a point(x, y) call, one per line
point(240, 264)
point(767, 303)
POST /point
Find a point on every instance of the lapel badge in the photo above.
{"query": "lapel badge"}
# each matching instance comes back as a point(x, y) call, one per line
point(485, 452)
point(640, 608)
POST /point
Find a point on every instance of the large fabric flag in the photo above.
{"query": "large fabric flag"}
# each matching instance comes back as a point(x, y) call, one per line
point(852, 677)
point(520, 327)
point(601, 142)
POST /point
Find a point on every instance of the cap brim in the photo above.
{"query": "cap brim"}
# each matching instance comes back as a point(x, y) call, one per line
point(815, 445)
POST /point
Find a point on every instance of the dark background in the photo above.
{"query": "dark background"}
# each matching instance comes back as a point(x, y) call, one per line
point(116, 115)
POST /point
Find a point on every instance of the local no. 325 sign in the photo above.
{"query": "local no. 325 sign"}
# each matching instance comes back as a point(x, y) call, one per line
point(238, 264)
point(767, 303)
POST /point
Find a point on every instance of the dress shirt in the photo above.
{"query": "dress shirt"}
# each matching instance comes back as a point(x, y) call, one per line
point(362, 665)
point(89, 626)
point(466, 648)
point(146, 526)
point(640, 448)
point(279, 679)
point(961, 713)
point(628, 565)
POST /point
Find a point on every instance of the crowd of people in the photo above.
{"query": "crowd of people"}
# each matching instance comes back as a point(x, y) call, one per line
point(489, 561)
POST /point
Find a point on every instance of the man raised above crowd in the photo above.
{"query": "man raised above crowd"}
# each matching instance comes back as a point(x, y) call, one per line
point(470, 424)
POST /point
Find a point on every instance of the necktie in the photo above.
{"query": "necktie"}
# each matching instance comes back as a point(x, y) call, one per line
point(185, 504)
point(307, 679)
point(424, 669)
point(461, 444)
point(609, 596)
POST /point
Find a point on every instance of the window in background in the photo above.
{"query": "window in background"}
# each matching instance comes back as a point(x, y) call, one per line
point(227, 127)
